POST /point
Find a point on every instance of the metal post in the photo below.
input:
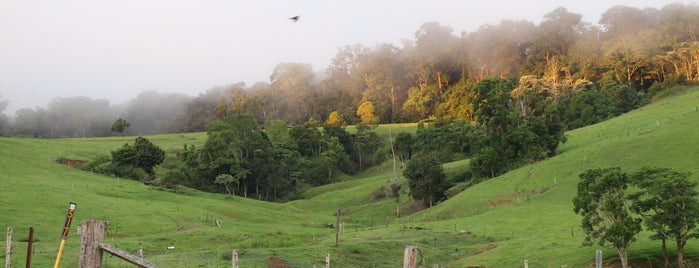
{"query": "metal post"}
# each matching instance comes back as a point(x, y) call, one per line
point(64, 234)
point(30, 246)
point(598, 259)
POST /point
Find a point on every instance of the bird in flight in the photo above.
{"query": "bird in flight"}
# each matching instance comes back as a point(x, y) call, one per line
point(295, 18)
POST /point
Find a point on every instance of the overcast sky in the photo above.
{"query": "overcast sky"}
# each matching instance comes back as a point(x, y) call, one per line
point(115, 49)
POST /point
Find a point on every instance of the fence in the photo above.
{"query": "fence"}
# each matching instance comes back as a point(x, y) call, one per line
point(93, 247)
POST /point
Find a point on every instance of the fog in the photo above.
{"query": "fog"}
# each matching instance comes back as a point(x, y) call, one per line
point(115, 50)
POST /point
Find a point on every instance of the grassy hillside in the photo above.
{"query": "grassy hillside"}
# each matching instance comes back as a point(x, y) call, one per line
point(524, 214)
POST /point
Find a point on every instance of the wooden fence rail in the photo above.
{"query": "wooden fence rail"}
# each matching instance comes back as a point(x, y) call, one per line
point(92, 245)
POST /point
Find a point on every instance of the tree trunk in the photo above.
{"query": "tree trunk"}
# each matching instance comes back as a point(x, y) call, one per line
point(665, 255)
point(245, 189)
point(680, 256)
point(622, 257)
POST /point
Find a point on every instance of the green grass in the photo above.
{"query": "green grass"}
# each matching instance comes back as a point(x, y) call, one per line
point(524, 214)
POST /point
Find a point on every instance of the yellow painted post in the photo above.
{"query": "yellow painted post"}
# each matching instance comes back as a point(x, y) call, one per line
point(64, 234)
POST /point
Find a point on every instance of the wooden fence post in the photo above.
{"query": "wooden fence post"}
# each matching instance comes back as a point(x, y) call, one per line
point(598, 259)
point(526, 263)
point(337, 227)
point(234, 258)
point(327, 260)
point(92, 237)
point(8, 248)
point(410, 257)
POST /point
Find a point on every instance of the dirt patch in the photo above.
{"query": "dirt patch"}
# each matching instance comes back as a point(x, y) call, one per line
point(276, 262)
point(499, 202)
point(72, 162)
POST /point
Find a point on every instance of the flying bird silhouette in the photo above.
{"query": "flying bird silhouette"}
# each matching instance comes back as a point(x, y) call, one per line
point(295, 18)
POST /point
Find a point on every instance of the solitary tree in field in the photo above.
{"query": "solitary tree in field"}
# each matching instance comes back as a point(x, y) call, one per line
point(667, 200)
point(425, 178)
point(120, 126)
point(606, 216)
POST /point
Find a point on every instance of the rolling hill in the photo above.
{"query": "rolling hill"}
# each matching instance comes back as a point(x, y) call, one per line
point(523, 214)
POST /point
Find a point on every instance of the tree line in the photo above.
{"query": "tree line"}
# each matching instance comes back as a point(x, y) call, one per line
point(594, 71)
point(241, 157)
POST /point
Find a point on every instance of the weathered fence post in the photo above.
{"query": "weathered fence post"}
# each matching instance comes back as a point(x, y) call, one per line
point(90, 251)
point(234, 258)
point(8, 248)
point(410, 257)
point(526, 263)
point(598, 259)
point(327, 260)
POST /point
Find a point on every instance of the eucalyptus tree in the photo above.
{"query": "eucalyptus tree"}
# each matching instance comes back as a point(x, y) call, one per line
point(498, 50)
point(292, 86)
point(382, 71)
point(436, 60)
point(601, 201)
point(667, 201)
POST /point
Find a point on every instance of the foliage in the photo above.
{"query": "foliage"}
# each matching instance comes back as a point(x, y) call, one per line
point(513, 134)
point(144, 215)
point(602, 203)
point(335, 119)
point(667, 201)
point(367, 113)
point(365, 144)
point(426, 178)
point(404, 147)
point(120, 126)
point(143, 154)
point(588, 107)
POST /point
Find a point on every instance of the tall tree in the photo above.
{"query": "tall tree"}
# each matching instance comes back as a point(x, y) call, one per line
point(667, 200)
point(602, 203)
point(382, 72)
point(499, 50)
point(292, 86)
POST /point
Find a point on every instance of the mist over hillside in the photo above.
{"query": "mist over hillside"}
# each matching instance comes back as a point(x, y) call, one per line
point(630, 53)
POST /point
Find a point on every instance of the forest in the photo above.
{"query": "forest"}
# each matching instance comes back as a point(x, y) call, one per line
point(502, 96)
point(591, 71)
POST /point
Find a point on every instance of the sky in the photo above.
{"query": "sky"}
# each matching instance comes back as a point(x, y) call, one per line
point(116, 49)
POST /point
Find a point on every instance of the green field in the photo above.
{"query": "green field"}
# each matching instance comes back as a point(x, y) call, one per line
point(524, 214)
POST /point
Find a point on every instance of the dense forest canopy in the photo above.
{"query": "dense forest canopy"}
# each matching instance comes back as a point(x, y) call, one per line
point(592, 71)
